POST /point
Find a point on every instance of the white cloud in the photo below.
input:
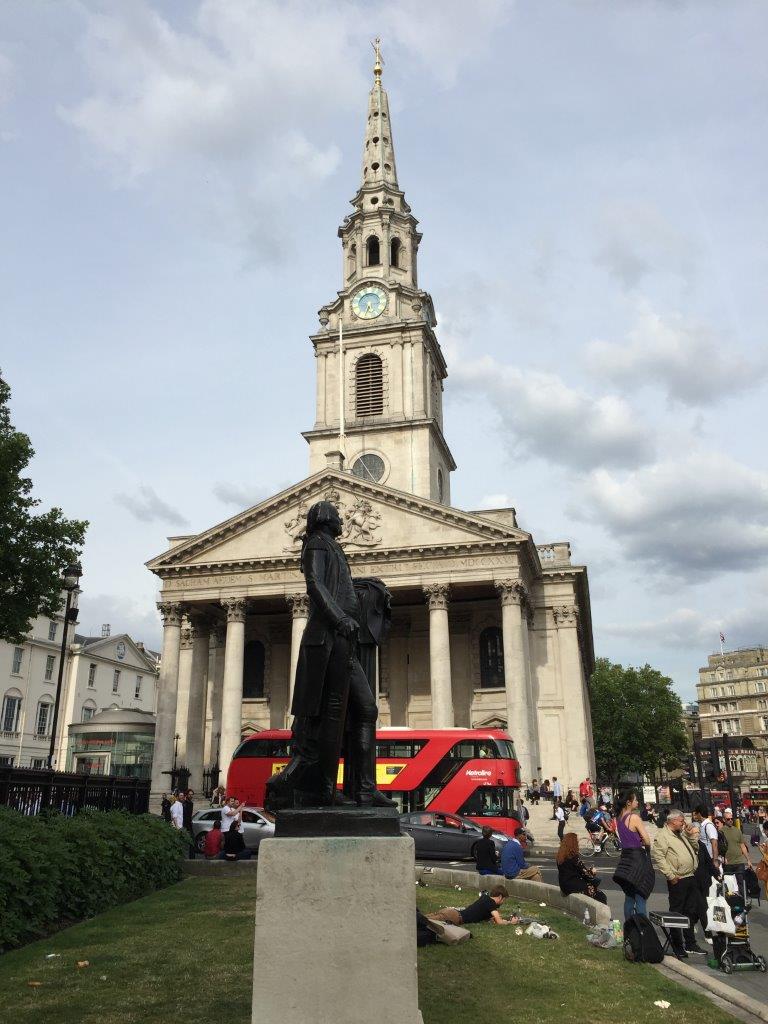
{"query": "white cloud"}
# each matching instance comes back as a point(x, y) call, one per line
point(690, 362)
point(636, 240)
point(239, 496)
point(686, 627)
point(542, 416)
point(148, 507)
point(693, 516)
point(139, 619)
point(491, 501)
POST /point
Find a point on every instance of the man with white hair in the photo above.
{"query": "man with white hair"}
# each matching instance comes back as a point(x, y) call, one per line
point(675, 853)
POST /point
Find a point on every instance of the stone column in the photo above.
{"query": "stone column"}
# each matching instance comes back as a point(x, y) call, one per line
point(531, 689)
point(512, 594)
point(165, 726)
point(182, 691)
point(299, 605)
point(232, 690)
point(439, 655)
point(200, 633)
point(577, 755)
point(215, 687)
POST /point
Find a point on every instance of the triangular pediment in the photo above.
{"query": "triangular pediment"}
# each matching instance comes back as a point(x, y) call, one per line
point(122, 650)
point(376, 518)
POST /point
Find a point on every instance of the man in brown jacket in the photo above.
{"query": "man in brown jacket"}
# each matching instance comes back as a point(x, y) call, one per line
point(676, 855)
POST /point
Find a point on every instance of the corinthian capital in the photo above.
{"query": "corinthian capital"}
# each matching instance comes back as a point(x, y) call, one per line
point(566, 615)
point(235, 608)
point(436, 595)
point(511, 591)
point(171, 612)
point(299, 605)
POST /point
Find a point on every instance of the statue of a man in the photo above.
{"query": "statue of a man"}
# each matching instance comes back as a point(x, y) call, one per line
point(331, 686)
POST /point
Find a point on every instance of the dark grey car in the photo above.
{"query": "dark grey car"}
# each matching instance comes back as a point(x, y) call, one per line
point(447, 836)
point(258, 824)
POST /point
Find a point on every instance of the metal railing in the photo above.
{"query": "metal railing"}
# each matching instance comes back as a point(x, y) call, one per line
point(31, 790)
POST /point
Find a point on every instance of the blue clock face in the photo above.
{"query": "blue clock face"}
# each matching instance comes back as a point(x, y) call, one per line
point(369, 302)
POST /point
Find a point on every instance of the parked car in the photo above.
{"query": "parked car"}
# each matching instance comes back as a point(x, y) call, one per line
point(258, 824)
point(448, 836)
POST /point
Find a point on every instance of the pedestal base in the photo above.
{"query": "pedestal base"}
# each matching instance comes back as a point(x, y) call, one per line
point(335, 932)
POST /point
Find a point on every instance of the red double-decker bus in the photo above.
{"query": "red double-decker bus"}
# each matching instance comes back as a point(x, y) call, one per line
point(472, 772)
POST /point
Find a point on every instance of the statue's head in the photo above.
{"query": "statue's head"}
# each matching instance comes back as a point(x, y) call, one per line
point(324, 515)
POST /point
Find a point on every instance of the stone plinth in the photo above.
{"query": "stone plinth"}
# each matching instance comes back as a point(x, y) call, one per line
point(335, 932)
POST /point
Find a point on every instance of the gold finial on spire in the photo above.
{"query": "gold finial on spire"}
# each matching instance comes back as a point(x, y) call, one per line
point(376, 44)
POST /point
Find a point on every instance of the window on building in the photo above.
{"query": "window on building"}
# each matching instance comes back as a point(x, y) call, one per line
point(6, 761)
point(52, 627)
point(11, 713)
point(87, 713)
point(369, 386)
point(137, 689)
point(763, 671)
point(37, 762)
point(372, 251)
point(91, 675)
point(762, 704)
point(731, 691)
point(18, 654)
point(440, 485)
point(49, 663)
point(116, 681)
point(763, 723)
point(395, 248)
point(253, 670)
point(491, 657)
point(760, 687)
point(43, 722)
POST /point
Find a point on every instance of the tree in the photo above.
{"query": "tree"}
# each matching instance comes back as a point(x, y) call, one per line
point(34, 549)
point(636, 721)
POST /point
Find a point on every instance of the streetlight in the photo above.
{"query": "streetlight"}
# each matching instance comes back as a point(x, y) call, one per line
point(70, 580)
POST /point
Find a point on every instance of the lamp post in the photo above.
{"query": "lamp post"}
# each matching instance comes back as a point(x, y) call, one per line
point(71, 578)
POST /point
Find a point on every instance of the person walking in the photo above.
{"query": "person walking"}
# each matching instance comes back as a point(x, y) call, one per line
point(189, 808)
point(535, 794)
point(676, 855)
point(585, 789)
point(560, 818)
point(513, 863)
point(557, 790)
point(573, 875)
point(634, 873)
point(486, 857)
point(176, 811)
point(165, 808)
point(737, 857)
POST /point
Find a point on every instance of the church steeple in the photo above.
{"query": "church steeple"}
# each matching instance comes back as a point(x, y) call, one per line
point(389, 369)
point(378, 149)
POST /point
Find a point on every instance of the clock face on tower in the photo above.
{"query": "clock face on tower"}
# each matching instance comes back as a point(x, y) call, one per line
point(369, 302)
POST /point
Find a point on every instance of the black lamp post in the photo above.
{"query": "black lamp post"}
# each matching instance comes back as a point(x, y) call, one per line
point(176, 739)
point(71, 579)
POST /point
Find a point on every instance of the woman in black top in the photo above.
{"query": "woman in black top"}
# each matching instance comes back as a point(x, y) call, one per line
point(234, 845)
point(573, 874)
point(486, 857)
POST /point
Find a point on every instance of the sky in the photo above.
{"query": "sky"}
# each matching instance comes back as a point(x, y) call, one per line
point(589, 177)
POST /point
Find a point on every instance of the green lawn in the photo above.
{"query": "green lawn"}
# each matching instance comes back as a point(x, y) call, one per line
point(184, 954)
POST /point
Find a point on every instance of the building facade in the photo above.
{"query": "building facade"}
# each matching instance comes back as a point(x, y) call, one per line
point(116, 741)
point(733, 701)
point(99, 672)
point(489, 628)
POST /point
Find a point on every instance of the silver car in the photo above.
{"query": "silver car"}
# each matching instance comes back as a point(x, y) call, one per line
point(258, 824)
point(448, 836)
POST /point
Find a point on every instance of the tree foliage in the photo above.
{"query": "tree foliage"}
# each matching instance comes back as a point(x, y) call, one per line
point(636, 721)
point(34, 548)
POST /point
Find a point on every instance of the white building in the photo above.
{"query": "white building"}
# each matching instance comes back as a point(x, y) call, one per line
point(100, 672)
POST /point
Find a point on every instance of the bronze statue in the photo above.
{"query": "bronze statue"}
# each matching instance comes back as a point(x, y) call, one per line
point(331, 689)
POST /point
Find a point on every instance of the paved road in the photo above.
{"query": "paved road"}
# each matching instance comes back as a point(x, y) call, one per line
point(752, 983)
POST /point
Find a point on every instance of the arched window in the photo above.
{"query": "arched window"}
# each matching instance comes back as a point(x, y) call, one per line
point(88, 711)
point(491, 657)
point(253, 670)
point(440, 485)
point(44, 719)
point(395, 248)
point(369, 386)
point(372, 254)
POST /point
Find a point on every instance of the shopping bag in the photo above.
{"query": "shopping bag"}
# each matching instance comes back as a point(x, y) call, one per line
point(719, 917)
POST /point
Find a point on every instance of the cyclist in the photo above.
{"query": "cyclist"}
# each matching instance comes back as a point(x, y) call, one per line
point(598, 820)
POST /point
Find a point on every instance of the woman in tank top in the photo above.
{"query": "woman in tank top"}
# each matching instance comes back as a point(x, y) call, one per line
point(634, 874)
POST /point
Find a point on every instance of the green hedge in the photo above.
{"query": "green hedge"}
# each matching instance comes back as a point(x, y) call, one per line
point(55, 870)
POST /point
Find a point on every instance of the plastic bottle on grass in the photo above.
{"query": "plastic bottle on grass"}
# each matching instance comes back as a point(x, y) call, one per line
point(586, 918)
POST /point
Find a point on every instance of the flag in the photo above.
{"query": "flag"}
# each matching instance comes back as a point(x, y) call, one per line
point(722, 638)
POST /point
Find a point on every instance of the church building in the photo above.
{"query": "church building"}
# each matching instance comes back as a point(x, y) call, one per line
point(489, 628)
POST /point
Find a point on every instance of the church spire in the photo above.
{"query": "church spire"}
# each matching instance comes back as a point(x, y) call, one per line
point(378, 151)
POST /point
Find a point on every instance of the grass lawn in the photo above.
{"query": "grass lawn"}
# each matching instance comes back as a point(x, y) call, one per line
point(184, 954)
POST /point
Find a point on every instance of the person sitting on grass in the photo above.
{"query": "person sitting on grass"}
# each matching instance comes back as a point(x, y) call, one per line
point(513, 864)
point(486, 857)
point(573, 874)
point(234, 845)
point(213, 841)
point(484, 909)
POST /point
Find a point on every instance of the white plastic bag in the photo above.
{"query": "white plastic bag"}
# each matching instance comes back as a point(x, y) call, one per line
point(719, 917)
point(538, 931)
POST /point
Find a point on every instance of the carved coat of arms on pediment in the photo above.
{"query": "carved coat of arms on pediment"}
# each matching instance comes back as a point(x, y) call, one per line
point(362, 522)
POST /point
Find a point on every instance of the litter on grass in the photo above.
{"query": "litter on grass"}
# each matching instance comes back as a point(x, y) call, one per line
point(83, 963)
point(603, 938)
point(542, 904)
point(662, 1004)
point(51, 956)
point(34, 984)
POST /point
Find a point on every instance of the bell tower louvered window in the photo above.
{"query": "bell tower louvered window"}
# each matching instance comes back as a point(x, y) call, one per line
point(369, 386)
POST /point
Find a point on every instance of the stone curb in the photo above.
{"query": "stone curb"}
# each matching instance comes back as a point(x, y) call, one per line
point(717, 988)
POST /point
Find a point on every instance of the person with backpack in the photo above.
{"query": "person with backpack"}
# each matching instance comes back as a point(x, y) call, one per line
point(676, 855)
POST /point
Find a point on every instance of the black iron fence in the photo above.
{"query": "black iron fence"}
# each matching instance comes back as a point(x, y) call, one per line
point(31, 790)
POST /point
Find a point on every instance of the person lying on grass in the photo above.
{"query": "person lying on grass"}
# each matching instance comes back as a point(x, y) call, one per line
point(484, 909)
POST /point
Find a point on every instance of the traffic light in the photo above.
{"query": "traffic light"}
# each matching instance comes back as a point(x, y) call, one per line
point(710, 766)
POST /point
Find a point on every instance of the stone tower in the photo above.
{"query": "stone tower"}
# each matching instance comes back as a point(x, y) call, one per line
point(380, 331)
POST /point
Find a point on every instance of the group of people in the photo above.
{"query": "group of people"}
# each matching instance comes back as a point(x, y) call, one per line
point(511, 862)
point(225, 839)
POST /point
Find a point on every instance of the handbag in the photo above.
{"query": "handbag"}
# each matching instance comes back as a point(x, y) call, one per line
point(635, 870)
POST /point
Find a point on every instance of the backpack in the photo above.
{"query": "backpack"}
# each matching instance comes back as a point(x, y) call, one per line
point(722, 844)
point(641, 943)
point(565, 811)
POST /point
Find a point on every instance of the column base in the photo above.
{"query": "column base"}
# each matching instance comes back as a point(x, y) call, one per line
point(339, 915)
